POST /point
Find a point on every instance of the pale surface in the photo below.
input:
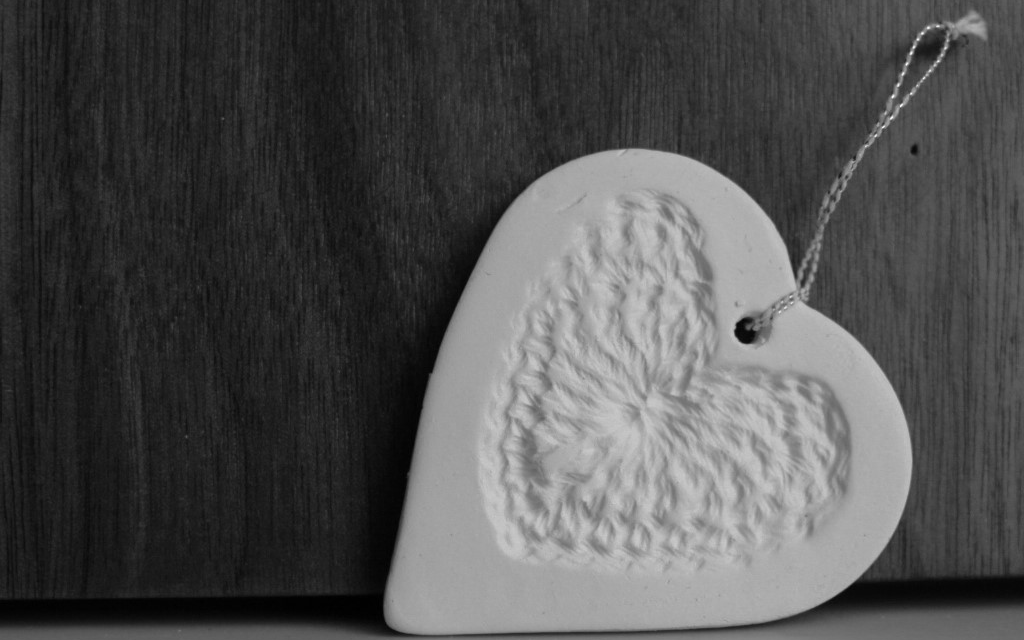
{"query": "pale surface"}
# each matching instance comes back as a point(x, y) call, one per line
point(995, 618)
point(449, 573)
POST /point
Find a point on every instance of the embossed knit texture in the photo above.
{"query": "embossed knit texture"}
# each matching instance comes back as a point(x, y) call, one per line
point(615, 441)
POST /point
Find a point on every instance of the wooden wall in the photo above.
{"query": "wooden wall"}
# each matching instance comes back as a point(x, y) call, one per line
point(232, 233)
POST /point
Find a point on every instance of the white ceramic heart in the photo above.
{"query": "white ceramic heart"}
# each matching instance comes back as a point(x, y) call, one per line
point(597, 451)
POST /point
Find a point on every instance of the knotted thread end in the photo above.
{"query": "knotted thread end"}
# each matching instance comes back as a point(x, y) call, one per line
point(971, 24)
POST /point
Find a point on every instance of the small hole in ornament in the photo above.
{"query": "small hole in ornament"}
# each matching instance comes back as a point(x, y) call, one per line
point(746, 335)
point(913, 149)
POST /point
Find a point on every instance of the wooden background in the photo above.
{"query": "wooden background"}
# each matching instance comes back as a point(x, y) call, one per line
point(232, 233)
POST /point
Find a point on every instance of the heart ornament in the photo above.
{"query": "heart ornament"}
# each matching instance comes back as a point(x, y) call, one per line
point(598, 450)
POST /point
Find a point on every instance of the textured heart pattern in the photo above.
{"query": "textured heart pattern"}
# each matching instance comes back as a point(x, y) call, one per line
point(613, 439)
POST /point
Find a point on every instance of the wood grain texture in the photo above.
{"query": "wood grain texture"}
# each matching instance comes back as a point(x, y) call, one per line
point(232, 234)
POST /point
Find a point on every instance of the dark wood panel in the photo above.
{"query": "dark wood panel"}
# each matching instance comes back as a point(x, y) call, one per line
point(232, 234)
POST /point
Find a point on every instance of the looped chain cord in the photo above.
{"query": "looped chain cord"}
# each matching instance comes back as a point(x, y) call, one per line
point(971, 24)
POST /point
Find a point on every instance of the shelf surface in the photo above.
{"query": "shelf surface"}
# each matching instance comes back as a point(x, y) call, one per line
point(934, 611)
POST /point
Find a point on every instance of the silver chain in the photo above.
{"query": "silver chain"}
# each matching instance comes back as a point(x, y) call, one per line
point(809, 265)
